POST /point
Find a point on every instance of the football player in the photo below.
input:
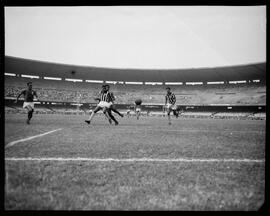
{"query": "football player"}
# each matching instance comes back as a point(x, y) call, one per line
point(170, 105)
point(28, 103)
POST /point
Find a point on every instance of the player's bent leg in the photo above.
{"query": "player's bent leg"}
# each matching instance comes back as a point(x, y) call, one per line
point(28, 115)
point(175, 113)
point(169, 116)
point(30, 111)
point(31, 114)
point(138, 115)
point(116, 111)
point(113, 108)
point(105, 112)
point(112, 117)
point(97, 109)
point(92, 114)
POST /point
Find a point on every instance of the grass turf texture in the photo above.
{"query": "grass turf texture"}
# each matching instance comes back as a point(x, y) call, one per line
point(96, 185)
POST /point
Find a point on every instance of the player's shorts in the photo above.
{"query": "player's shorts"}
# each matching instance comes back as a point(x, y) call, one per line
point(104, 104)
point(138, 109)
point(171, 106)
point(31, 104)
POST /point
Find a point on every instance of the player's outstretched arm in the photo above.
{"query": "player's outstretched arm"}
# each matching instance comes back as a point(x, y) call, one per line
point(16, 101)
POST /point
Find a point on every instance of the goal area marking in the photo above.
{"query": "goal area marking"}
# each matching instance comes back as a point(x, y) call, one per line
point(29, 138)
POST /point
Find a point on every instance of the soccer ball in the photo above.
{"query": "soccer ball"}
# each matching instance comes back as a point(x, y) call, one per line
point(138, 101)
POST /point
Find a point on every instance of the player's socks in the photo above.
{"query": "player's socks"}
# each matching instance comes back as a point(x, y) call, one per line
point(116, 111)
point(29, 115)
point(169, 118)
point(112, 117)
point(110, 121)
point(119, 114)
point(90, 118)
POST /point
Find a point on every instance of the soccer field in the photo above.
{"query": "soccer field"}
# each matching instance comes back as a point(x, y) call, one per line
point(59, 162)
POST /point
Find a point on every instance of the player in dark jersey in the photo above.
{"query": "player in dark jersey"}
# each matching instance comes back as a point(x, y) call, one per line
point(170, 100)
point(111, 100)
point(28, 103)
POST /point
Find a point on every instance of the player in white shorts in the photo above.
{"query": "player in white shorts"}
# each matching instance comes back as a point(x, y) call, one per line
point(128, 111)
point(138, 111)
point(170, 105)
point(111, 100)
point(28, 103)
point(137, 108)
point(103, 105)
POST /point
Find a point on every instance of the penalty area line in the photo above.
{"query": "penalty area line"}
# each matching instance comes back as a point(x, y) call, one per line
point(245, 160)
point(29, 138)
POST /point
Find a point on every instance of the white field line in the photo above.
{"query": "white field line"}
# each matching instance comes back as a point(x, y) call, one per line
point(29, 138)
point(138, 159)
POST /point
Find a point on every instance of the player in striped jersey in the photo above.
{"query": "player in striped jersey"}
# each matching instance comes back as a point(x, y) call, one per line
point(170, 100)
point(111, 101)
point(102, 105)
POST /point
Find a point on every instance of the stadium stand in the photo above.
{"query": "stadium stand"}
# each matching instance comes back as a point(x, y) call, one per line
point(49, 90)
point(242, 94)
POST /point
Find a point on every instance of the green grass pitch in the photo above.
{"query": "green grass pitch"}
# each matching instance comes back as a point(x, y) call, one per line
point(134, 185)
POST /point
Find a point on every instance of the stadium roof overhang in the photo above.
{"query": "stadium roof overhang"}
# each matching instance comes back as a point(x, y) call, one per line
point(48, 69)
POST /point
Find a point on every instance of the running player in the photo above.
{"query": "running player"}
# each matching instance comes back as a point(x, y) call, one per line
point(103, 105)
point(128, 111)
point(28, 103)
point(170, 100)
point(137, 108)
point(111, 101)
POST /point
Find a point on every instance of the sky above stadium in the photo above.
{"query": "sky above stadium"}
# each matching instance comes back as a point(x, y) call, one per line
point(151, 37)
